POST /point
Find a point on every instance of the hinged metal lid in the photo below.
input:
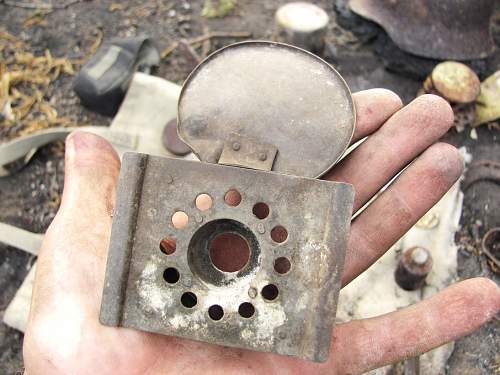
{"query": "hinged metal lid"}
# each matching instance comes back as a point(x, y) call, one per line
point(268, 106)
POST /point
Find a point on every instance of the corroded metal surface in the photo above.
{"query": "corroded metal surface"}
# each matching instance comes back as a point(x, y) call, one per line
point(413, 267)
point(146, 287)
point(268, 93)
point(439, 29)
point(248, 111)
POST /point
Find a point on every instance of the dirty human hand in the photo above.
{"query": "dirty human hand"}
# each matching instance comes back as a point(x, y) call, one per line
point(64, 335)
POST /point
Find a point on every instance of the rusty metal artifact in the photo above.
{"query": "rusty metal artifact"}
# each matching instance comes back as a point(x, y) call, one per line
point(413, 267)
point(271, 98)
point(439, 29)
point(242, 249)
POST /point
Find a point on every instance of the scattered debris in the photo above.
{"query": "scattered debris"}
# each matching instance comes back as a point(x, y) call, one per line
point(473, 134)
point(25, 84)
point(203, 41)
point(303, 25)
point(97, 42)
point(481, 170)
point(488, 102)
point(37, 18)
point(217, 8)
point(20, 4)
point(117, 6)
point(429, 221)
point(491, 248)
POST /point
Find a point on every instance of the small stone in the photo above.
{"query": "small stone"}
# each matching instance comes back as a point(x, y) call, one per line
point(455, 82)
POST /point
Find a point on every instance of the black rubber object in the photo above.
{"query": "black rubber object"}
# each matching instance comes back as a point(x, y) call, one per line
point(103, 81)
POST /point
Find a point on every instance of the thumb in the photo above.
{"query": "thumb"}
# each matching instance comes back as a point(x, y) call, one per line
point(71, 264)
point(76, 242)
point(91, 173)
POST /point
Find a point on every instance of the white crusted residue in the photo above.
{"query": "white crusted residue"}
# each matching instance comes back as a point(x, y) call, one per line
point(375, 292)
point(151, 296)
point(268, 317)
point(182, 321)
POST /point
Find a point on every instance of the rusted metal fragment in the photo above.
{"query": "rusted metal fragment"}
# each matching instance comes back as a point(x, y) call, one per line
point(444, 29)
point(271, 93)
point(491, 246)
point(481, 170)
point(413, 267)
point(141, 290)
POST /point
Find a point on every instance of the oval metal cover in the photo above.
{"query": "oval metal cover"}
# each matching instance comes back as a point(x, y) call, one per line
point(271, 93)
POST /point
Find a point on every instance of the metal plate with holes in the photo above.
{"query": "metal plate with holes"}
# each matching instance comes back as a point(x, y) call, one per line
point(261, 94)
point(164, 279)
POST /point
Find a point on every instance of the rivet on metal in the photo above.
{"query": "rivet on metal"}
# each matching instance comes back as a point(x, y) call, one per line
point(252, 292)
point(262, 156)
point(187, 281)
point(198, 218)
point(236, 146)
point(260, 228)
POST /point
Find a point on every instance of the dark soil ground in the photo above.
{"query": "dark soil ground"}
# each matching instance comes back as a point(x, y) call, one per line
point(358, 49)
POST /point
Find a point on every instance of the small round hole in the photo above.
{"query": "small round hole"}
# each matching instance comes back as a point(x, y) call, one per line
point(171, 275)
point(261, 210)
point(232, 197)
point(203, 202)
point(282, 265)
point(246, 310)
point(270, 292)
point(229, 252)
point(189, 299)
point(279, 234)
point(215, 312)
point(180, 219)
point(168, 245)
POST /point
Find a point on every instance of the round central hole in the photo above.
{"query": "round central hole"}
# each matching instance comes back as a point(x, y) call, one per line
point(229, 252)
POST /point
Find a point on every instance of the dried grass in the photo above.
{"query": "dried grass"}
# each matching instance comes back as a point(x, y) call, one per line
point(25, 83)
